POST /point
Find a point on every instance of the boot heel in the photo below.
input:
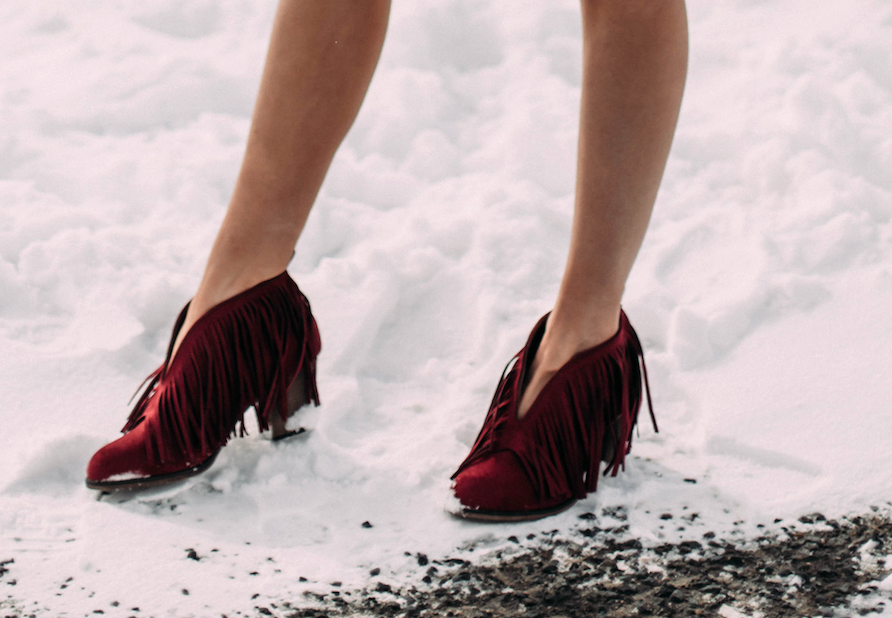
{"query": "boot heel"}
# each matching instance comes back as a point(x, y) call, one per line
point(297, 398)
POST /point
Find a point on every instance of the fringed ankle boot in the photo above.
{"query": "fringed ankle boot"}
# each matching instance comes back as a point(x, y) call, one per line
point(257, 349)
point(529, 468)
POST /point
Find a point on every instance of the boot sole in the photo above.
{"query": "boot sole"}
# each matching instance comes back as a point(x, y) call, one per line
point(507, 517)
point(152, 481)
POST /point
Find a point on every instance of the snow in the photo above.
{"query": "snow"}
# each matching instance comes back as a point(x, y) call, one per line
point(726, 611)
point(761, 294)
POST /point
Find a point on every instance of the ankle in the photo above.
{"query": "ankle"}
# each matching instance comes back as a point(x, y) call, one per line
point(217, 286)
point(569, 334)
point(563, 339)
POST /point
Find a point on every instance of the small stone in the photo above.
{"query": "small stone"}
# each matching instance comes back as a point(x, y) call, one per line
point(375, 572)
point(366, 524)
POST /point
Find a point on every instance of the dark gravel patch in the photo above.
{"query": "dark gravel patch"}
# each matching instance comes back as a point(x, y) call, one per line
point(815, 567)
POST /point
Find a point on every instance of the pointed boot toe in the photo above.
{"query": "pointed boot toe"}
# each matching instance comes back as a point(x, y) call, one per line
point(497, 489)
point(125, 464)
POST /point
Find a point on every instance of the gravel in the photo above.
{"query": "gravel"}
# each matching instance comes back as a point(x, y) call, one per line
point(814, 567)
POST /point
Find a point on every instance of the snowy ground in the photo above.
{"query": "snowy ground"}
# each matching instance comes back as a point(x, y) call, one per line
point(762, 292)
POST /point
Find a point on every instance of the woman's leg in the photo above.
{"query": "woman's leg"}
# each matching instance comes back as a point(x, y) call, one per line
point(321, 58)
point(634, 67)
point(320, 62)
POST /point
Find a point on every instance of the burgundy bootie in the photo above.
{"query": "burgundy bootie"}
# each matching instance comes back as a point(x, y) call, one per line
point(257, 349)
point(529, 468)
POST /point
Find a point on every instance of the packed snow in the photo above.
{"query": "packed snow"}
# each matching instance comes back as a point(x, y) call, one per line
point(762, 293)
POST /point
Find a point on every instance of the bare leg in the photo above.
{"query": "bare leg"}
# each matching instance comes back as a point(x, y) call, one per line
point(320, 62)
point(634, 68)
